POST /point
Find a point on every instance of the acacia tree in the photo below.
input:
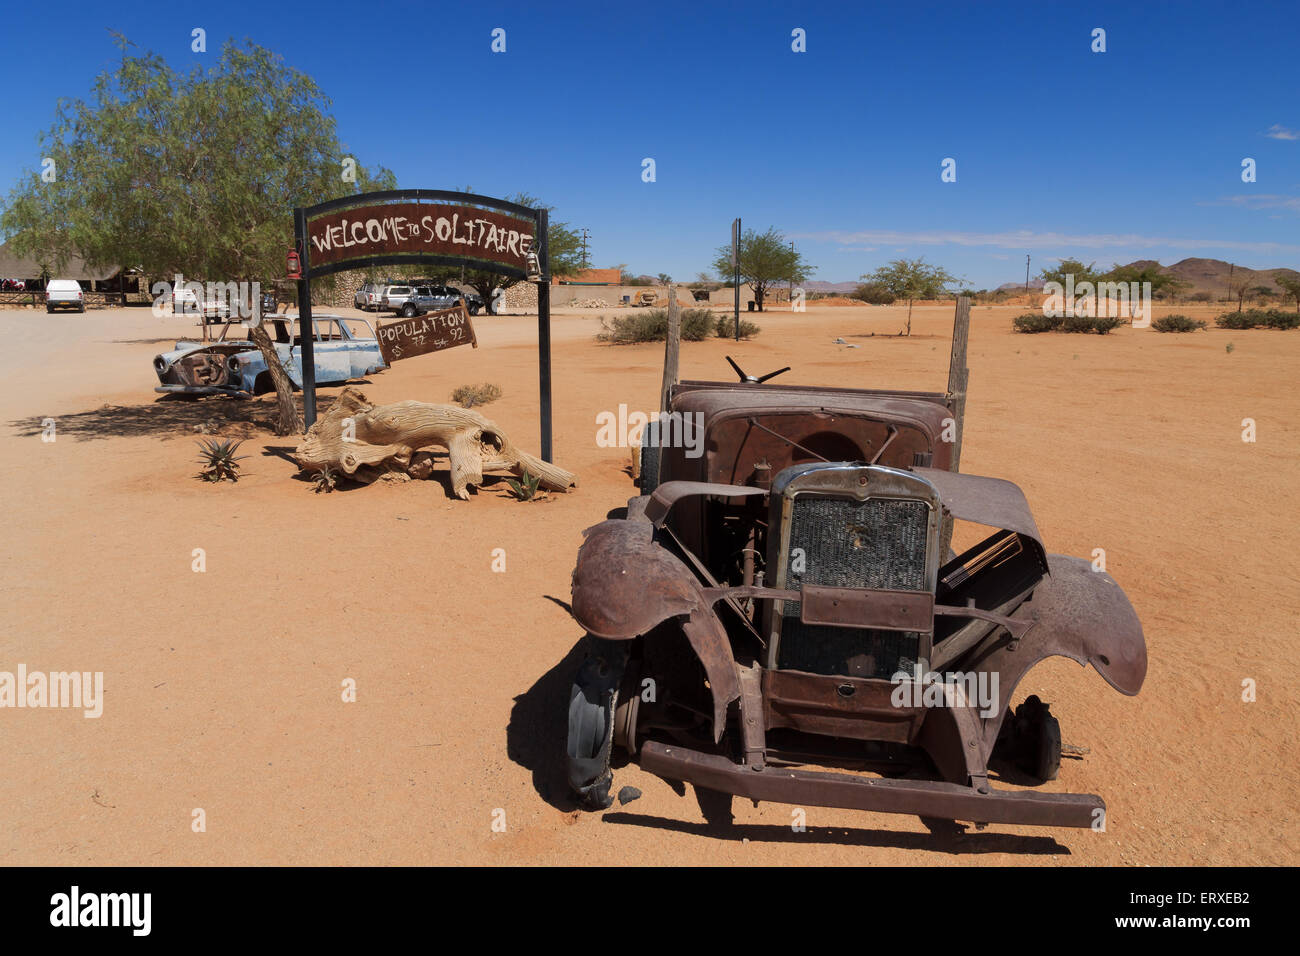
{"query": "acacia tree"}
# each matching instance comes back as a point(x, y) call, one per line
point(1161, 282)
point(911, 279)
point(563, 246)
point(193, 174)
point(764, 259)
point(1291, 286)
point(1071, 267)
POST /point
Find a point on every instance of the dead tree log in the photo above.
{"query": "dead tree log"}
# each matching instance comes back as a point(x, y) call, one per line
point(365, 441)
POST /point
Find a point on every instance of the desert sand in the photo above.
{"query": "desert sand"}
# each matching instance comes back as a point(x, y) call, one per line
point(223, 688)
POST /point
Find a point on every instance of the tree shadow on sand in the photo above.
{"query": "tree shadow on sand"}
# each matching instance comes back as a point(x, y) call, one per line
point(167, 417)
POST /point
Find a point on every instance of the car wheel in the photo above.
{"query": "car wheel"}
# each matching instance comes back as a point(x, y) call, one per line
point(651, 454)
point(49, 310)
point(1037, 735)
point(408, 311)
point(593, 699)
point(82, 310)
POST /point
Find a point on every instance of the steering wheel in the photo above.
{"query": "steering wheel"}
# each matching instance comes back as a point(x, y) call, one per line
point(750, 379)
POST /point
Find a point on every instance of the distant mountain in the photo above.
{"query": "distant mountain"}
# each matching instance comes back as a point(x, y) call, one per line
point(1201, 275)
point(818, 285)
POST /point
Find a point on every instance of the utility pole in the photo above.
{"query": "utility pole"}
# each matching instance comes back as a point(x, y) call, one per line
point(792, 280)
point(584, 248)
point(1026, 273)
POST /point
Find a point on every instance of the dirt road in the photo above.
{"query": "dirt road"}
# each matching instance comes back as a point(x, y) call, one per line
point(223, 688)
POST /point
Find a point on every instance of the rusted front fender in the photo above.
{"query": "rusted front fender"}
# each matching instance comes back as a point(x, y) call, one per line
point(1078, 613)
point(625, 584)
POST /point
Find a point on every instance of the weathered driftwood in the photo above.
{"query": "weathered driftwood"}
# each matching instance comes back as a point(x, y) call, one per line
point(388, 436)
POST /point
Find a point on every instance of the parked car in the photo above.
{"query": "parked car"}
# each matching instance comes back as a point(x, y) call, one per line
point(430, 299)
point(394, 297)
point(369, 297)
point(211, 310)
point(781, 601)
point(64, 294)
point(344, 349)
point(473, 303)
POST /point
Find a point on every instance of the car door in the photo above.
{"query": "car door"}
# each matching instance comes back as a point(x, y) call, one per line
point(329, 354)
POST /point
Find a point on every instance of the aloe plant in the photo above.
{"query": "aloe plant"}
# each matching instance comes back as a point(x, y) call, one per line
point(325, 480)
point(219, 461)
point(525, 488)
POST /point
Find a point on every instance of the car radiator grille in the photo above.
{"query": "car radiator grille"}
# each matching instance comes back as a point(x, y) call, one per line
point(877, 543)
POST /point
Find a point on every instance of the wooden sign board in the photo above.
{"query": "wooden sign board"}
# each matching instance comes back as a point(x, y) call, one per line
point(463, 232)
point(422, 334)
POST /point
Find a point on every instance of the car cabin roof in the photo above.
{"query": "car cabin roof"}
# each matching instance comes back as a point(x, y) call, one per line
point(725, 399)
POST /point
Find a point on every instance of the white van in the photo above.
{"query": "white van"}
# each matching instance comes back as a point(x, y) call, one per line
point(64, 294)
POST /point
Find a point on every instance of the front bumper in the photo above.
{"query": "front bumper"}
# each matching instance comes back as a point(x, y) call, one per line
point(925, 798)
point(201, 390)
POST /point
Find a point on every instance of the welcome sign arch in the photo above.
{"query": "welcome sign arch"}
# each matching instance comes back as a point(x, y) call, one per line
point(424, 227)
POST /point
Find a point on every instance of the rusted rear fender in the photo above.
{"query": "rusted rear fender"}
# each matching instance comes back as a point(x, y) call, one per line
point(625, 584)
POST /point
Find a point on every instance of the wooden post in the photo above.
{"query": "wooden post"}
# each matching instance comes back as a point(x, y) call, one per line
point(958, 376)
point(958, 379)
point(672, 346)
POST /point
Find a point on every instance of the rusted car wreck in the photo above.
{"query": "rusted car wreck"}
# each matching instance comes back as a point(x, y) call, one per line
point(786, 600)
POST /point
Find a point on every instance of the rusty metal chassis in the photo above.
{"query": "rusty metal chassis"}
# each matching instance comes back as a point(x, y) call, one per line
point(1083, 616)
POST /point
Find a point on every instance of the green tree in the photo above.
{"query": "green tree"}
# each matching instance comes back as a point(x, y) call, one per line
point(912, 279)
point(664, 279)
point(1162, 283)
point(1291, 286)
point(765, 258)
point(564, 247)
point(1072, 267)
point(195, 174)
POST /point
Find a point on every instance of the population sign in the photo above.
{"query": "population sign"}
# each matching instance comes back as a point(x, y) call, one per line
point(422, 334)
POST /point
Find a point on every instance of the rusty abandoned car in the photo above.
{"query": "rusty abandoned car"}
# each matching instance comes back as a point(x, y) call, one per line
point(771, 618)
point(345, 350)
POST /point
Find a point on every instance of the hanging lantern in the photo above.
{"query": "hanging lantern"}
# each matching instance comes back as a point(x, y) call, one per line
point(293, 264)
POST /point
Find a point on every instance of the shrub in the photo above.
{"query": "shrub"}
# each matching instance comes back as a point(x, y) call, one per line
point(467, 396)
point(725, 328)
point(1259, 318)
point(1103, 324)
point(651, 325)
point(1031, 322)
point(1235, 320)
point(1077, 323)
point(1277, 319)
point(1177, 323)
point(874, 293)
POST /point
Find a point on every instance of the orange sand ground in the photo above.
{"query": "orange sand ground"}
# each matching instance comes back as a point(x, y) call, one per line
point(223, 688)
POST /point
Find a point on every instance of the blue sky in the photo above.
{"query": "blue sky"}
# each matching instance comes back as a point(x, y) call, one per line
point(1131, 153)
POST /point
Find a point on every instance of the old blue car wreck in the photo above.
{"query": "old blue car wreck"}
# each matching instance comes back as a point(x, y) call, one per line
point(345, 350)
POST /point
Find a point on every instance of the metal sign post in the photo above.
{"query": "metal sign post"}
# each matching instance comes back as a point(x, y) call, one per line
point(306, 327)
point(544, 329)
point(735, 266)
